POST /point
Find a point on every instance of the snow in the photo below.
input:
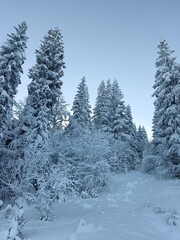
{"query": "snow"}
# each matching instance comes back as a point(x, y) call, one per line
point(135, 206)
point(1, 203)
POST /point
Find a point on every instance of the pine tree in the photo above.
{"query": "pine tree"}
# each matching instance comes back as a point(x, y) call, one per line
point(43, 91)
point(166, 122)
point(131, 128)
point(107, 124)
point(141, 141)
point(80, 118)
point(118, 111)
point(12, 58)
point(100, 111)
point(130, 137)
point(60, 114)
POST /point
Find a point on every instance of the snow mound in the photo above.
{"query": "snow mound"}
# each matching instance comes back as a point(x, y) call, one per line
point(83, 227)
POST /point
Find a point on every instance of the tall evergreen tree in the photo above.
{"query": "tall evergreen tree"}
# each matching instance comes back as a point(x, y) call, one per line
point(118, 111)
point(131, 128)
point(141, 141)
point(60, 114)
point(130, 136)
point(43, 91)
point(100, 111)
point(81, 110)
point(12, 58)
point(107, 124)
point(166, 122)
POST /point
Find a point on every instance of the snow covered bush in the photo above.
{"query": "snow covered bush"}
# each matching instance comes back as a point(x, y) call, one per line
point(8, 211)
point(86, 156)
point(40, 181)
point(124, 158)
point(1, 203)
point(148, 164)
point(15, 231)
point(52, 185)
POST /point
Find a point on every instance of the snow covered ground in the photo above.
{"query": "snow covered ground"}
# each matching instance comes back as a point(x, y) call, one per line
point(134, 207)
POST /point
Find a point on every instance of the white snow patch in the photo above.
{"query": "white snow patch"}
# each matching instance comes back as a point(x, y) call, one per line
point(135, 207)
point(84, 227)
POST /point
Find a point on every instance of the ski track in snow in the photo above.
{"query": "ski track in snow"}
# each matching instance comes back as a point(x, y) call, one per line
point(134, 207)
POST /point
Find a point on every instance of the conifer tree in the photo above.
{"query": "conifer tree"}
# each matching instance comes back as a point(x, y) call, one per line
point(107, 124)
point(12, 58)
point(131, 128)
point(60, 114)
point(141, 140)
point(166, 122)
point(43, 91)
point(130, 136)
point(100, 111)
point(118, 111)
point(80, 118)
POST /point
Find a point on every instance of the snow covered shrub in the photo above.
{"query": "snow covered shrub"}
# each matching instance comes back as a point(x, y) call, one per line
point(40, 182)
point(124, 158)
point(15, 231)
point(173, 219)
point(1, 203)
point(51, 187)
point(8, 211)
point(8, 171)
point(87, 157)
point(148, 163)
point(46, 183)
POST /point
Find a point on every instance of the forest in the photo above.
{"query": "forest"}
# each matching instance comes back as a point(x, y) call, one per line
point(48, 154)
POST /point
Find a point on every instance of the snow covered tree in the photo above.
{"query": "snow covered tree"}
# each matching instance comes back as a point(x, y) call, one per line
point(60, 114)
point(100, 111)
point(107, 123)
point(12, 58)
point(141, 141)
point(118, 112)
point(109, 104)
point(18, 108)
point(131, 131)
point(166, 122)
point(164, 64)
point(43, 91)
point(124, 148)
point(80, 118)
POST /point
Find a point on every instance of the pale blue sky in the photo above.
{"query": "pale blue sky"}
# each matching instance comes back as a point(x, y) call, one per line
point(103, 39)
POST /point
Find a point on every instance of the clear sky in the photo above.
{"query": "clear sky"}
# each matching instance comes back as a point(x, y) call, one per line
point(103, 39)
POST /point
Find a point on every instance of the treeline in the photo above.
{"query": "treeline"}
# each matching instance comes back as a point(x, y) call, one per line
point(49, 155)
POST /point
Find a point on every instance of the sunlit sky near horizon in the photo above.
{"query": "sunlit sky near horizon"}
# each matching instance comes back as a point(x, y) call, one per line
point(103, 39)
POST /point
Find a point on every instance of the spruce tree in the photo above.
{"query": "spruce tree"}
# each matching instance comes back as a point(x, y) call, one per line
point(130, 136)
point(43, 91)
point(166, 122)
point(81, 110)
point(12, 58)
point(107, 124)
point(100, 111)
point(141, 140)
point(117, 112)
point(60, 114)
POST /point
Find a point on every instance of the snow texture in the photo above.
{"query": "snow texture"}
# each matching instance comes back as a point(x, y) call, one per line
point(135, 206)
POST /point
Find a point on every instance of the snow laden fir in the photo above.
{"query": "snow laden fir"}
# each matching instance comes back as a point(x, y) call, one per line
point(49, 155)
